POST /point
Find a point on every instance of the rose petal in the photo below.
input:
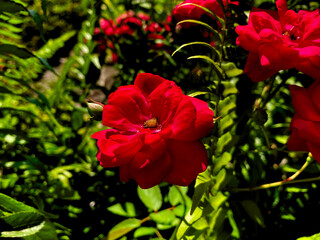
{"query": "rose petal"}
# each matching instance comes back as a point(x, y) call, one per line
point(147, 82)
point(315, 151)
point(193, 120)
point(116, 148)
point(127, 109)
point(307, 130)
point(149, 166)
point(188, 160)
point(300, 99)
point(255, 71)
point(296, 143)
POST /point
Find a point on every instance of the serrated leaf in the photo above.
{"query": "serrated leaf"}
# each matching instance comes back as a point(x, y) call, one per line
point(24, 232)
point(22, 219)
point(151, 197)
point(9, 204)
point(48, 232)
point(123, 228)
point(17, 51)
point(253, 211)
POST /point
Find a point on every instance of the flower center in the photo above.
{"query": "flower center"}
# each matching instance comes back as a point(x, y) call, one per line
point(291, 36)
point(151, 123)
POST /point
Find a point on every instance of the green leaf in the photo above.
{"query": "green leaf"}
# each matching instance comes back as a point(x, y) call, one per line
point(253, 211)
point(235, 230)
point(24, 232)
point(22, 219)
point(12, 49)
point(221, 161)
point(48, 232)
point(36, 17)
point(126, 210)
point(174, 195)
point(144, 231)
point(10, 6)
point(76, 120)
point(166, 216)
point(9, 204)
point(123, 228)
point(231, 69)
point(313, 237)
point(44, 8)
point(203, 182)
point(151, 197)
point(198, 43)
point(6, 90)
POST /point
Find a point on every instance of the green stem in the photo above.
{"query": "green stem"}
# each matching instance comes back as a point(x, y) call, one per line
point(265, 135)
point(173, 236)
point(289, 180)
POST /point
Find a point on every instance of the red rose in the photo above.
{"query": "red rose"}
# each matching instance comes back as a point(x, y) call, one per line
point(156, 132)
point(305, 124)
point(278, 40)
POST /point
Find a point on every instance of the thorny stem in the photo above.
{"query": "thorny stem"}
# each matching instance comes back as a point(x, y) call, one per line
point(289, 180)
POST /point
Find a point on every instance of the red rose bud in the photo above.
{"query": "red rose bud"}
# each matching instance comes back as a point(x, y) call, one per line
point(95, 110)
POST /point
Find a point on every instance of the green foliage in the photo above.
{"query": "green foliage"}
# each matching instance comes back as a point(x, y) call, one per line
point(49, 66)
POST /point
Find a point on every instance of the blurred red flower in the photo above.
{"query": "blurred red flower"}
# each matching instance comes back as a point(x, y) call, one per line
point(278, 40)
point(305, 124)
point(155, 133)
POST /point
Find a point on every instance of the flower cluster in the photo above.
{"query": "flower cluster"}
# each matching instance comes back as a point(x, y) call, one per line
point(131, 27)
point(278, 40)
point(155, 132)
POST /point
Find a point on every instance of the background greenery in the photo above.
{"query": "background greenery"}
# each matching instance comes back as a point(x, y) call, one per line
point(52, 186)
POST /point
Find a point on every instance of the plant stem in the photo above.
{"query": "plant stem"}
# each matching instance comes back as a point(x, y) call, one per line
point(289, 180)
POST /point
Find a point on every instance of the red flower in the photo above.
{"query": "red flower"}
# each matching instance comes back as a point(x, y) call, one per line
point(278, 40)
point(305, 124)
point(156, 132)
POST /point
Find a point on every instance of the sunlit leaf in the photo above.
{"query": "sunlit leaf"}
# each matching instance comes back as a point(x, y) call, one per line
point(151, 197)
point(24, 232)
point(123, 228)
